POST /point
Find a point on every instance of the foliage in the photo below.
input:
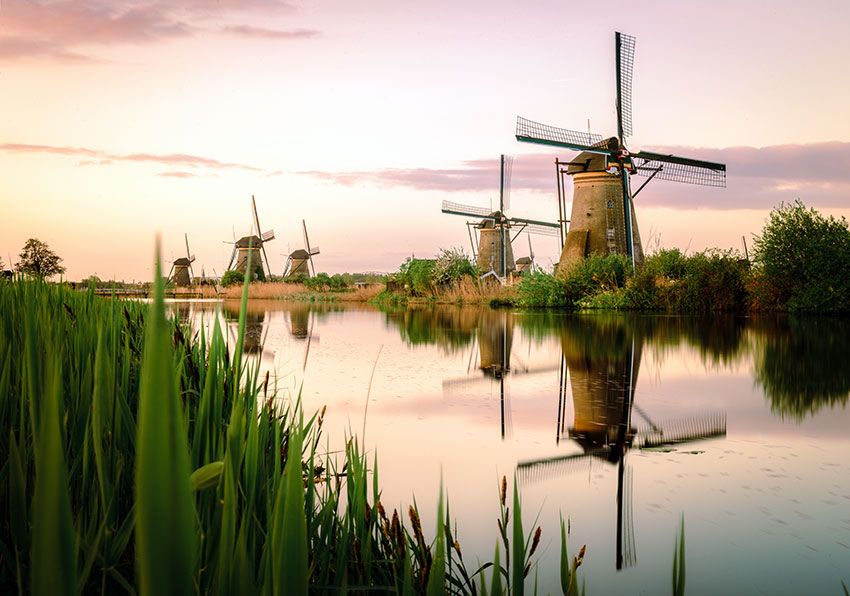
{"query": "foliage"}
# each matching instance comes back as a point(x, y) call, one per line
point(232, 278)
point(326, 283)
point(708, 281)
point(802, 259)
point(451, 266)
point(417, 275)
point(37, 260)
point(598, 273)
point(542, 289)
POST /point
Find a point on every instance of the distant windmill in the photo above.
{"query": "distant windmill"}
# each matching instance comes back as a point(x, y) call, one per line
point(494, 252)
point(603, 219)
point(254, 245)
point(300, 261)
point(526, 265)
point(181, 269)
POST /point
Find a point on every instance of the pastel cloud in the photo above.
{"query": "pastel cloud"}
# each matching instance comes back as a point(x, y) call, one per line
point(248, 31)
point(58, 29)
point(757, 177)
point(96, 156)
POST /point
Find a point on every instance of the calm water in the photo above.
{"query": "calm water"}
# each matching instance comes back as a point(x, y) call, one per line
point(744, 427)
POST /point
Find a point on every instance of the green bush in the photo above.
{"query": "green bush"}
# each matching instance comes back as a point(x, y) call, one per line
point(598, 273)
point(667, 262)
point(802, 259)
point(417, 275)
point(232, 277)
point(542, 289)
point(452, 265)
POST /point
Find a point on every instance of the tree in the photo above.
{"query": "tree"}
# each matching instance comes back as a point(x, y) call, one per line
point(38, 260)
point(802, 259)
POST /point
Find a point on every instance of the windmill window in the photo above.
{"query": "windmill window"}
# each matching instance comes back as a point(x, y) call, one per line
point(610, 204)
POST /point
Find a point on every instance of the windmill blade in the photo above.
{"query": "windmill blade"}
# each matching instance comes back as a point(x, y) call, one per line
point(266, 236)
point(537, 470)
point(529, 131)
point(232, 257)
point(186, 237)
point(679, 169)
point(307, 246)
point(682, 430)
point(466, 210)
point(256, 218)
point(544, 229)
point(530, 250)
point(625, 50)
point(505, 182)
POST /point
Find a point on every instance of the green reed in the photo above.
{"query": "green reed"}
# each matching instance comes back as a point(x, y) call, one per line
point(141, 457)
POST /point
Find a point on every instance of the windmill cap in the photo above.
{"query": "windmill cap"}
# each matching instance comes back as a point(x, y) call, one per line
point(299, 254)
point(182, 261)
point(249, 241)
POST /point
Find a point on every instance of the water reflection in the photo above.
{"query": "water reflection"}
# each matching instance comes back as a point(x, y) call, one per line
point(801, 364)
point(600, 366)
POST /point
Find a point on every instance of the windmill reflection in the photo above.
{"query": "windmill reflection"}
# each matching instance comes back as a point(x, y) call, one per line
point(495, 354)
point(599, 369)
point(256, 329)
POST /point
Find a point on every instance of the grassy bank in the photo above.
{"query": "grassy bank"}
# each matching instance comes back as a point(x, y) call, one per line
point(141, 458)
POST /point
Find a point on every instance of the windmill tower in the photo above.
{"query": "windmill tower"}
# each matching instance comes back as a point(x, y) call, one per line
point(300, 261)
point(181, 269)
point(494, 250)
point(253, 245)
point(603, 216)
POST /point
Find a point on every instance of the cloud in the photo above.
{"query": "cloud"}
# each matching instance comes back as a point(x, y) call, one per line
point(177, 174)
point(757, 177)
point(57, 29)
point(251, 32)
point(96, 156)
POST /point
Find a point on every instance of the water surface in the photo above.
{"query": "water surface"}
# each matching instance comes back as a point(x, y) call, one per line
point(620, 423)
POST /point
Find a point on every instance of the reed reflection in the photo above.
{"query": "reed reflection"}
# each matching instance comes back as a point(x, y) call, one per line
point(599, 372)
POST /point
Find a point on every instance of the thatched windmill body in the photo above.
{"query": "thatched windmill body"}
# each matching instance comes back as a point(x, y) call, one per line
point(300, 261)
point(252, 245)
point(493, 251)
point(181, 269)
point(603, 217)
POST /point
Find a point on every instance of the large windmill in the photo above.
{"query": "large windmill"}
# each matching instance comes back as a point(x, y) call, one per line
point(253, 244)
point(300, 261)
point(181, 269)
point(603, 219)
point(494, 252)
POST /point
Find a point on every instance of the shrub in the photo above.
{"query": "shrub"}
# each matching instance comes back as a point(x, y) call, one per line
point(668, 262)
point(451, 266)
point(542, 289)
point(417, 275)
point(232, 277)
point(598, 273)
point(802, 259)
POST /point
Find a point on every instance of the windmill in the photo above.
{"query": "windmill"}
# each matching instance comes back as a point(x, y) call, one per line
point(181, 269)
point(494, 251)
point(253, 245)
point(599, 368)
point(603, 219)
point(526, 265)
point(300, 261)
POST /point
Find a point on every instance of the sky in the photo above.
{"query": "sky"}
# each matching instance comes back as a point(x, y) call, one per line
point(123, 120)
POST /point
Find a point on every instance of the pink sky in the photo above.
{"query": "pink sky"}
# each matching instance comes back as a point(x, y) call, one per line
point(123, 119)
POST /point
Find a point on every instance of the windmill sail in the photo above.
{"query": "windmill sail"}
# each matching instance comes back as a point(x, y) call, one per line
point(625, 48)
point(679, 169)
point(530, 131)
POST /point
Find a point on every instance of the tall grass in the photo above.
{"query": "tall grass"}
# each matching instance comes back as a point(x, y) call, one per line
point(141, 458)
